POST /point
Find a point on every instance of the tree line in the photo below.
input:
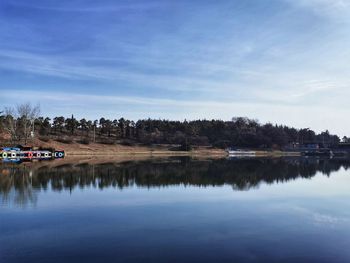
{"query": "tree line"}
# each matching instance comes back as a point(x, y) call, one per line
point(25, 121)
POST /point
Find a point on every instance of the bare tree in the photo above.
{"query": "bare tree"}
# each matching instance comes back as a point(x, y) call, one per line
point(10, 123)
point(19, 122)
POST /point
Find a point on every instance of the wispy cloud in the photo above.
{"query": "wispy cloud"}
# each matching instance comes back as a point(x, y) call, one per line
point(180, 58)
point(300, 89)
point(75, 69)
point(86, 99)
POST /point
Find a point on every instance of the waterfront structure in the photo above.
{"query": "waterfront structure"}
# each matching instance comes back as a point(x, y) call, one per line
point(25, 152)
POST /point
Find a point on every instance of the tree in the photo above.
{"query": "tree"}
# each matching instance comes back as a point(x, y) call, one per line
point(71, 124)
point(132, 129)
point(27, 115)
point(239, 132)
point(44, 125)
point(116, 128)
point(89, 126)
point(10, 124)
point(108, 125)
point(127, 129)
point(83, 125)
point(58, 123)
point(19, 121)
point(307, 136)
point(102, 125)
point(122, 126)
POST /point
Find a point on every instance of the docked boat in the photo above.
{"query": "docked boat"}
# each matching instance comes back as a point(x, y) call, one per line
point(24, 152)
point(240, 152)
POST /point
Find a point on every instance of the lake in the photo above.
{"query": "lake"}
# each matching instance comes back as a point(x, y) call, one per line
point(176, 210)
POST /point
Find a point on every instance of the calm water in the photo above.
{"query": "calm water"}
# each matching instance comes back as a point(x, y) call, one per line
point(176, 210)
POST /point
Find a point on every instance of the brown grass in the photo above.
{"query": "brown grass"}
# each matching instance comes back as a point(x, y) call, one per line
point(96, 149)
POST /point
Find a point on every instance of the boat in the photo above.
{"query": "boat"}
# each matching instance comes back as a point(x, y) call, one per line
point(240, 152)
point(27, 152)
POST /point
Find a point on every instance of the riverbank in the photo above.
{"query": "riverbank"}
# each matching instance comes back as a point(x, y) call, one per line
point(162, 150)
point(97, 149)
point(118, 159)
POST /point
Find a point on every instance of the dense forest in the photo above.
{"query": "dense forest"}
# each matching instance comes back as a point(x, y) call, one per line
point(24, 122)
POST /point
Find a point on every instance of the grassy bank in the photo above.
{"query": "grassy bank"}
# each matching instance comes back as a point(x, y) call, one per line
point(98, 149)
point(75, 148)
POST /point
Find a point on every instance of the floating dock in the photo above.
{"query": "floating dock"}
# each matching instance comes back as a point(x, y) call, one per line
point(18, 153)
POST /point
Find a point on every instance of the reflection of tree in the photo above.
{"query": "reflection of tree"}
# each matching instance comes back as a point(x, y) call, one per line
point(240, 174)
point(16, 186)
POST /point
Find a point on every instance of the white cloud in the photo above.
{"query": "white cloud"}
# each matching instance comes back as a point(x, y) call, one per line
point(288, 66)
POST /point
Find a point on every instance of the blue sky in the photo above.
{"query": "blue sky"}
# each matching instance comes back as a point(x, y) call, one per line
point(283, 61)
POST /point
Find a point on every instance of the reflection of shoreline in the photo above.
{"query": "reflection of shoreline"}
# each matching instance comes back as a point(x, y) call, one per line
point(100, 157)
point(95, 160)
point(243, 174)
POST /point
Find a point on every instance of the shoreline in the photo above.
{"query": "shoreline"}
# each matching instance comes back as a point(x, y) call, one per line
point(151, 153)
point(159, 150)
point(91, 158)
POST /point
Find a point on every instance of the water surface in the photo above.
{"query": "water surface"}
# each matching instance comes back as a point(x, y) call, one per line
point(176, 210)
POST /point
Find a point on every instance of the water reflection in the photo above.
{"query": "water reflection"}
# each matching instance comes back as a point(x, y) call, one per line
point(20, 184)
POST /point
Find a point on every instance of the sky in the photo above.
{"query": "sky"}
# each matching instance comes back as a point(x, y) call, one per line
point(279, 61)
